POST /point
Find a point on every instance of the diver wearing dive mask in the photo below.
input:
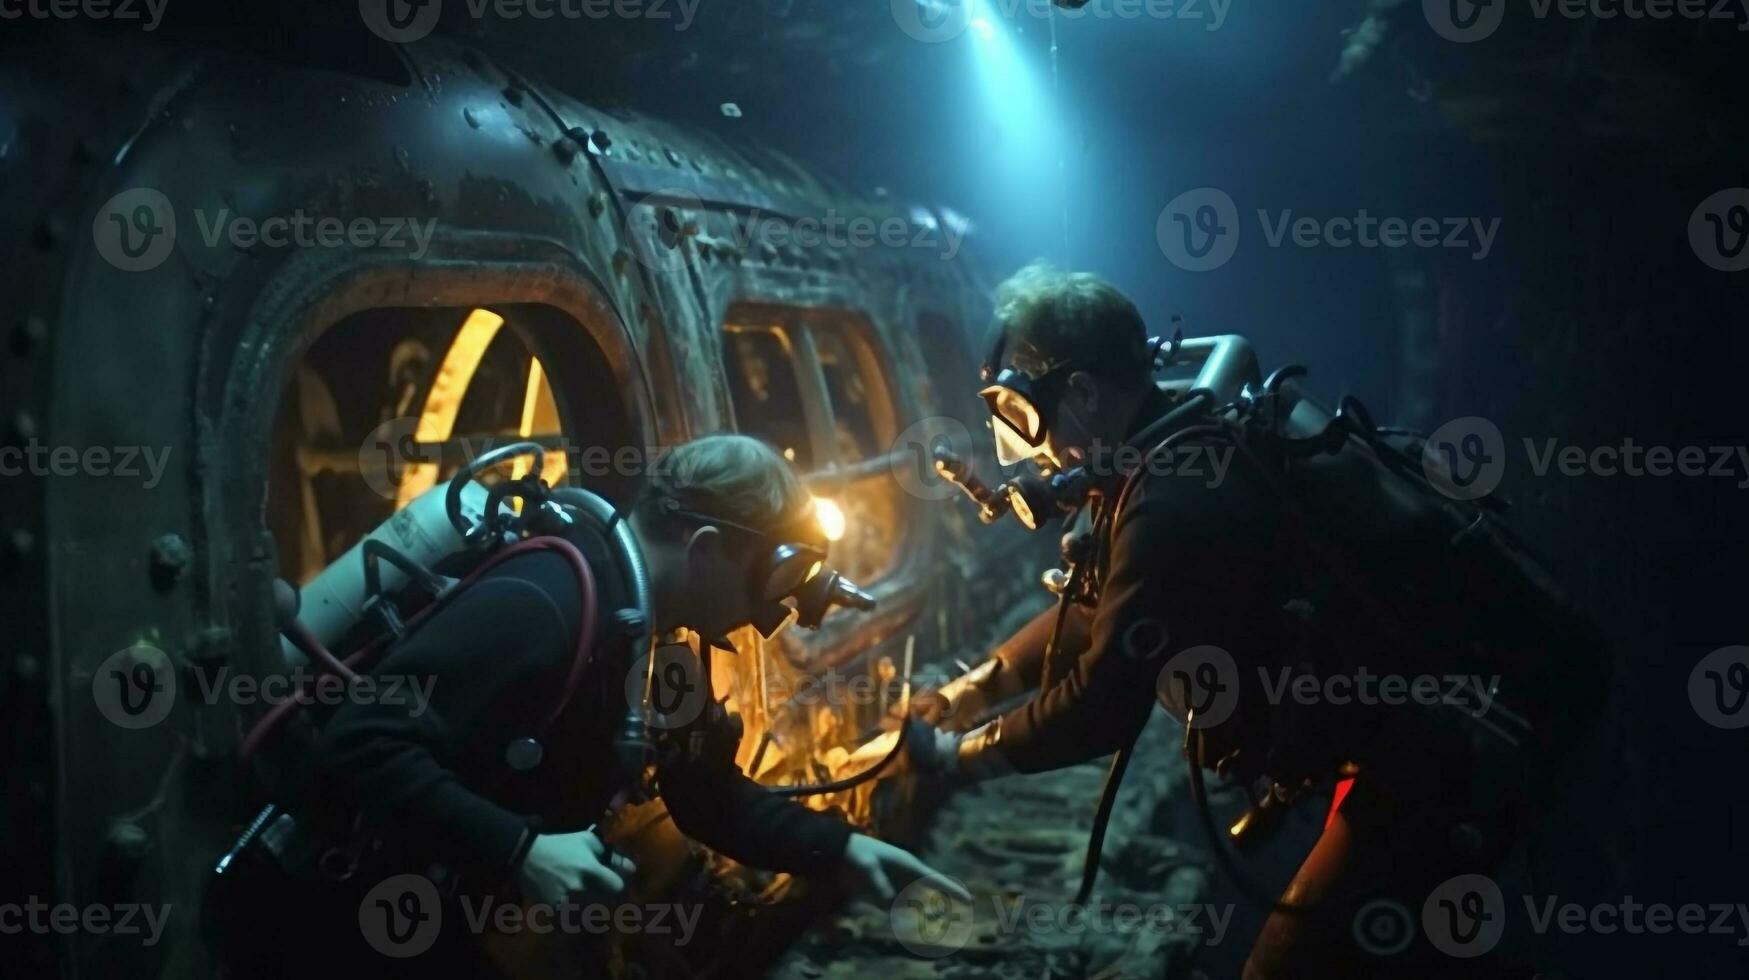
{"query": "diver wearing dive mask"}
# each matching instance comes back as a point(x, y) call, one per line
point(789, 574)
point(1322, 557)
point(1048, 407)
point(454, 786)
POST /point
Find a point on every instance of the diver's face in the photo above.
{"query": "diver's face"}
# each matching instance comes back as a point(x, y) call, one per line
point(1076, 424)
point(718, 575)
point(700, 581)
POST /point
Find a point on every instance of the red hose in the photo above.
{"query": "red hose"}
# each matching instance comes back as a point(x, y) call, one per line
point(269, 723)
point(301, 637)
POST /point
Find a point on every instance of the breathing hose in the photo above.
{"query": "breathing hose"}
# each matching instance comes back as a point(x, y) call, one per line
point(848, 782)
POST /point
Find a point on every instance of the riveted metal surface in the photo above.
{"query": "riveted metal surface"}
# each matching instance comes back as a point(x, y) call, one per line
point(645, 233)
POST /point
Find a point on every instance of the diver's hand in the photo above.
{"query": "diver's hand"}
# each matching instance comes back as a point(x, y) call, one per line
point(874, 866)
point(929, 750)
point(565, 868)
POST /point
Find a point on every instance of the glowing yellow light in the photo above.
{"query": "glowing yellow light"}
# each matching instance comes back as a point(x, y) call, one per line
point(831, 518)
point(437, 421)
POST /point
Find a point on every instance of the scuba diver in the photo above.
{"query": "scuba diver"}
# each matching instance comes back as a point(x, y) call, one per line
point(475, 798)
point(1228, 540)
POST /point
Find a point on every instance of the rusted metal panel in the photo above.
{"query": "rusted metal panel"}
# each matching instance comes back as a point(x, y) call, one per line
point(633, 226)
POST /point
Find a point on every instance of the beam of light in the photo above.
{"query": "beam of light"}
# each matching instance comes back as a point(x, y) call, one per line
point(1016, 107)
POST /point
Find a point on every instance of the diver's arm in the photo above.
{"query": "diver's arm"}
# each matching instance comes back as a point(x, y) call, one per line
point(397, 759)
point(714, 803)
point(1188, 566)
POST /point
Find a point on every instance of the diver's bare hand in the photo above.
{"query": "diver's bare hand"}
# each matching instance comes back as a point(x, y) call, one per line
point(872, 866)
point(565, 868)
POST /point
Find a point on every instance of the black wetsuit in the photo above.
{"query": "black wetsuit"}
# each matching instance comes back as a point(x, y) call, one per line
point(1331, 567)
point(434, 786)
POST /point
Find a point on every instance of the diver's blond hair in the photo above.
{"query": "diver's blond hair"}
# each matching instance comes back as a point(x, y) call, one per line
point(735, 477)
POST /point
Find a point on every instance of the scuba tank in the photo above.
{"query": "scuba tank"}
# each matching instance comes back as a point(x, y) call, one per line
point(334, 602)
point(440, 544)
point(1343, 484)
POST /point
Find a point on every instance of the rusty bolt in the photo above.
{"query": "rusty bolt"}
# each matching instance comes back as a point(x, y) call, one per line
point(565, 150)
point(210, 643)
point(600, 141)
point(171, 556)
point(472, 118)
point(597, 204)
